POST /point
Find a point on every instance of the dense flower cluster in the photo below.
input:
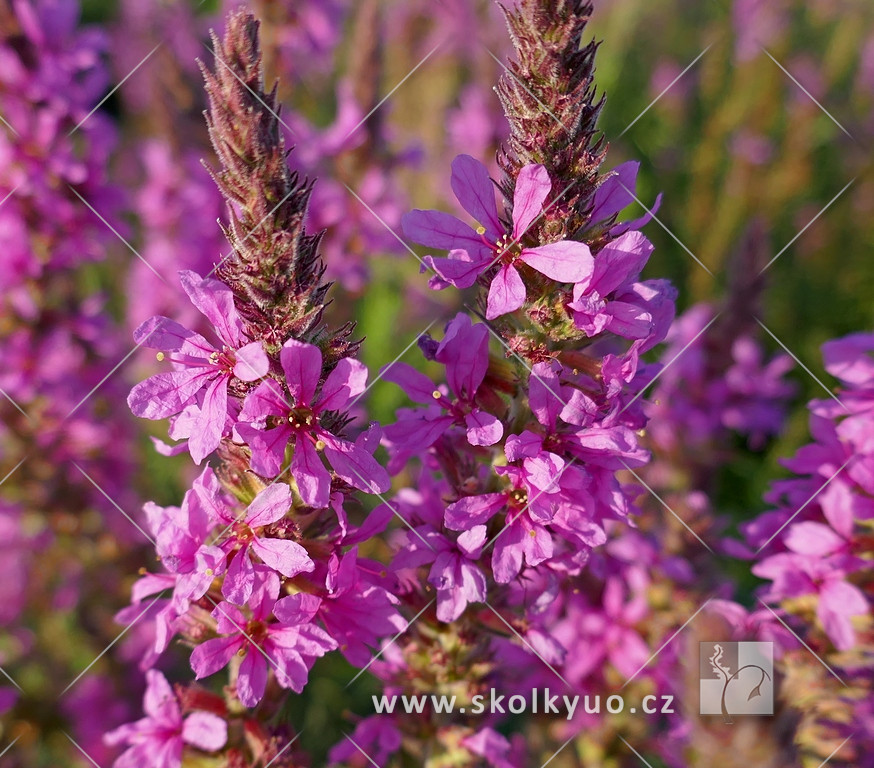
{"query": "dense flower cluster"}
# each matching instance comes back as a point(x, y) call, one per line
point(815, 550)
point(261, 556)
point(68, 464)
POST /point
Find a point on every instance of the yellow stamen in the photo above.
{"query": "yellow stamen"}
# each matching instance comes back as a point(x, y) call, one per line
point(320, 445)
point(160, 357)
point(436, 394)
point(480, 230)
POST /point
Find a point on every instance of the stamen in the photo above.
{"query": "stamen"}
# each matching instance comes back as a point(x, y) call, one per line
point(160, 357)
point(436, 394)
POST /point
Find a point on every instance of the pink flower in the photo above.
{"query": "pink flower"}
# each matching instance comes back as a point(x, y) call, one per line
point(473, 252)
point(288, 647)
point(157, 740)
point(270, 420)
point(465, 353)
point(243, 538)
point(199, 364)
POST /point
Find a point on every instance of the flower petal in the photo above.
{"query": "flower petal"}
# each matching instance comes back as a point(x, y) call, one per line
point(470, 511)
point(613, 195)
point(163, 333)
point(239, 580)
point(465, 353)
point(211, 424)
point(269, 506)
point(565, 261)
point(267, 446)
point(205, 731)
point(347, 380)
point(441, 230)
point(506, 293)
point(476, 193)
point(252, 362)
point(313, 480)
point(458, 269)
point(418, 386)
point(211, 656)
point(302, 364)
point(287, 557)
point(356, 466)
point(252, 679)
point(532, 188)
point(216, 301)
point(483, 428)
point(167, 393)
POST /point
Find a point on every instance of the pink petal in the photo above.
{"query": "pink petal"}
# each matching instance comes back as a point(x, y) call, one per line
point(163, 333)
point(483, 428)
point(211, 424)
point(810, 538)
point(252, 362)
point(205, 731)
point(612, 196)
point(216, 301)
point(267, 399)
point(470, 511)
point(159, 701)
point(269, 506)
point(465, 353)
point(532, 188)
point(212, 655)
point(418, 386)
point(165, 394)
point(267, 446)
point(302, 364)
point(297, 609)
point(565, 261)
point(441, 230)
point(252, 679)
point(347, 380)
point(506, 293)
point(476, 193)
point(287, 557)
point(356, 467)
point(239, 580)
point(313, 480)
point(458, 269)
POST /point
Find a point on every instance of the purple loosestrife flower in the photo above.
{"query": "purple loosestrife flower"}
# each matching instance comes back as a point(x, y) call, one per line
point(199, 364)
point(270, 420)
point(454, 573)
point(180, 535)
point(288, 646)
point(244, 536)
point(472, 252)
point(160, 738)
point(464, 351)
point(356, 610)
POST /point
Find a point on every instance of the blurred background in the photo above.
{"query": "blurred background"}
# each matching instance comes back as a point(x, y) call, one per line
point(752, 119)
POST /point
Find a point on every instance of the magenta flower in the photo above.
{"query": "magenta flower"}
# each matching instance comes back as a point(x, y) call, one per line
point(180, 538)
point(615, 194)
point(465, 353)
point(270, 420)
point(242, 538)
point(617, 266)
point(199, 364)
point(158, 739)
point(472, 252)
point(357, 612)
point(289, 647)
point(454, 573)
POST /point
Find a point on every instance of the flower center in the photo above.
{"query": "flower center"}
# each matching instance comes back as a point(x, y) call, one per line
point(507, 249)
point(300, 418)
